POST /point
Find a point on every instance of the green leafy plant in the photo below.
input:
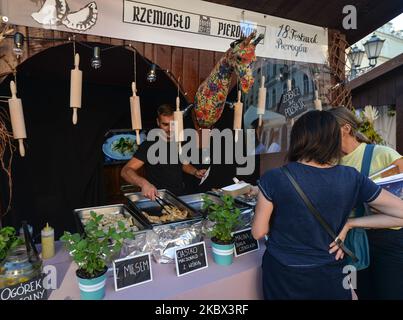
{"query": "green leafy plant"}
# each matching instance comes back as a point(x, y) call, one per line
point(8, 240)
point(368, 117)
point(391, 111)
point(123, 145)
point(369, 131)
point(92, 250)
point(226, 218)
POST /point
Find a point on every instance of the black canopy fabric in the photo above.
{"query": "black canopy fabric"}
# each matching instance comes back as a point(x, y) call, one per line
point(62, 169)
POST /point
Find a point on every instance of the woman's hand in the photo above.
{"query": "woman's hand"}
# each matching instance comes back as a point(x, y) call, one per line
point(254, 191)
point(342, 236)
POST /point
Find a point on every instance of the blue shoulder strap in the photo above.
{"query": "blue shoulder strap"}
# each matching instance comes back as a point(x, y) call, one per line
point(366, 160)
point(365, 167)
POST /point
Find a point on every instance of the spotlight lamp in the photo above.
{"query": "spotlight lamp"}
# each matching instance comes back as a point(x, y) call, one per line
point(152, 74)
point(18, 43)
point(96, 62)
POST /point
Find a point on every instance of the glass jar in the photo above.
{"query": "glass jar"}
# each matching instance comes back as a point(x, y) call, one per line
point(17, 268)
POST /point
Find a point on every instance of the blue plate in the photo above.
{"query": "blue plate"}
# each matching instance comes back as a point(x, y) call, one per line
point(107, 147)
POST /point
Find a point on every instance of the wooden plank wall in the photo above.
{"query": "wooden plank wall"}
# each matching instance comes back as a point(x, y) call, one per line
point(191, 65)
point(385, 90)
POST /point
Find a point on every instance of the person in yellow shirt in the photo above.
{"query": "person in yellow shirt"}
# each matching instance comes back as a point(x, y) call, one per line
point(383, 279)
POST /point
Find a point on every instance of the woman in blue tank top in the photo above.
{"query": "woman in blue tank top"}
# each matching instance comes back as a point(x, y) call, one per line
point(302, 261)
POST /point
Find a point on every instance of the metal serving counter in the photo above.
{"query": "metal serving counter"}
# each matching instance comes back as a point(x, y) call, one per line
point(239, 281)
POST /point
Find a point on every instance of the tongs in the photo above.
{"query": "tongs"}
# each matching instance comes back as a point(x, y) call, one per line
point(164, 204)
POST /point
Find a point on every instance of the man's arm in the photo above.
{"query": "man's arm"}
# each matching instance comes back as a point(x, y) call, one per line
point(129, 173)
point(189, 169)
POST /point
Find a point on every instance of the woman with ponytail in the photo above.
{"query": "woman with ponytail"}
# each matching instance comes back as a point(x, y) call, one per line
point(381, 277)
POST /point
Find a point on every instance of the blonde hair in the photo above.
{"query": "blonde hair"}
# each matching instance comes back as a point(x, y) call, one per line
point(345, 116)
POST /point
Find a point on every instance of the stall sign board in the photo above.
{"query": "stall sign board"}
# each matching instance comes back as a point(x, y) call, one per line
point(33, 289)
point(190, 258)
point(291, 104)
point(132, 271)
point(244, 242)
point(181, 23)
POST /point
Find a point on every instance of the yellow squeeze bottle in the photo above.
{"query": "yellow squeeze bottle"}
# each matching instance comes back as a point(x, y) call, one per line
point(48, 242)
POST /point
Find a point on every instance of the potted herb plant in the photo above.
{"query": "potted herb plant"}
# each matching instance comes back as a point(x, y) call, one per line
point(91, 251)
point(226, 218)
point(8, 240)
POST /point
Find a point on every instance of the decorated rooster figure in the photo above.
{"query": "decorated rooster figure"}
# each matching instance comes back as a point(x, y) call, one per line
point(212, 93)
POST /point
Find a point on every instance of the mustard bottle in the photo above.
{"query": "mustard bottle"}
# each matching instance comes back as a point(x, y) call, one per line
point(48, 242)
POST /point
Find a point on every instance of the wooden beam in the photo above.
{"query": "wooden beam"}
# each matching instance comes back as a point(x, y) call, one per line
point(376, 72)
point(399, 113)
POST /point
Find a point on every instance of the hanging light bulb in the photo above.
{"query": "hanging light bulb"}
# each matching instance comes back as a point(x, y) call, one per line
point(152, 74)
point(96, 62)
point(18, 43)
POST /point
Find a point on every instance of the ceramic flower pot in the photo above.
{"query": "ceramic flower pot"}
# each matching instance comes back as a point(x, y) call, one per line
point(93, 288)
point(223, 253)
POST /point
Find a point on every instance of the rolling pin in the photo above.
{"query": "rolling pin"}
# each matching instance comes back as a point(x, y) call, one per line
point(238, 108)
point(135, 112)
point(178, 119)
point(76, 87)
point(317, 102)
point(17, 118)
point(261, 105)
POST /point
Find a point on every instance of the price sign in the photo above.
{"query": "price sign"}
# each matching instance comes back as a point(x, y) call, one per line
point(244, 242)
point(132, 271)
point(190, 258)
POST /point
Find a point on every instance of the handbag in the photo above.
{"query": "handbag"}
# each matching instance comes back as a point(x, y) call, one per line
point(357, 239)
point(317, 215)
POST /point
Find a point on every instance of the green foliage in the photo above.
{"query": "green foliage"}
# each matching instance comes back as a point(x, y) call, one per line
point(8, 240)
point(124, 145)
point(391, 111)
point(92, 250)
point(367, 118)
point(367, 128)
point(226, 217)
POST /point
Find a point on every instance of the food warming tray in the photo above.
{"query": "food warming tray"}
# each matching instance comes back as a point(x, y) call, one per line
point(108, 211)
point(142, 204)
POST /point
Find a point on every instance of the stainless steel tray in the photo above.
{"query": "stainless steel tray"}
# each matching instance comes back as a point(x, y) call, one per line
point(140, 203)
point(196, 201)
point(243, 202)
point(111, 210)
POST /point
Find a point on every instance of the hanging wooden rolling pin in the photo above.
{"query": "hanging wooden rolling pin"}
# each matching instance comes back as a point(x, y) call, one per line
point(317, 102)
point(76, 87)
point(17, 118)
point(261, 101)
point(135, 112)
point(178, 119)
point(238, 110)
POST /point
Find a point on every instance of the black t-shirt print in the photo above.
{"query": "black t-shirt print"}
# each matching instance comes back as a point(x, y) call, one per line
point(162, 175)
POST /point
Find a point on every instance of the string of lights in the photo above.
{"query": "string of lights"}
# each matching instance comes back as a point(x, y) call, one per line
point(96, 61)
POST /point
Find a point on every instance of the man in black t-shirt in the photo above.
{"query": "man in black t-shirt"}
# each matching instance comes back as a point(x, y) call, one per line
point(159, 176)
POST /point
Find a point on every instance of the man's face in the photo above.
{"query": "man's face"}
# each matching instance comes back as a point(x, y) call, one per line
point(164, 124)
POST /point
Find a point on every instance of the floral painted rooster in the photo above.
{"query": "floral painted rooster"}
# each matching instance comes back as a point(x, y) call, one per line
point(212, 93)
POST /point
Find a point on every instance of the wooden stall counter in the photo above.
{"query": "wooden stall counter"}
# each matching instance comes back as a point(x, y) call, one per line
point(239, 281)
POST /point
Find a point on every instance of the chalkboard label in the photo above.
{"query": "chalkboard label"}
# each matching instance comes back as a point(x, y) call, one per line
point(190, 258)
point(29, 290)
point(291, 104)
point(132, 271)
point(244, 242)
